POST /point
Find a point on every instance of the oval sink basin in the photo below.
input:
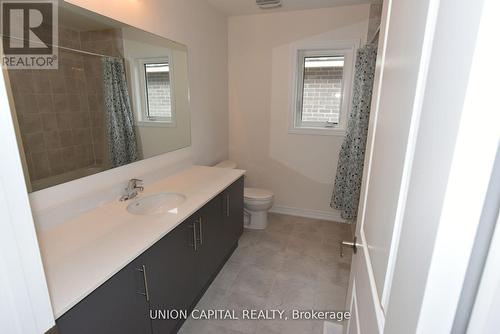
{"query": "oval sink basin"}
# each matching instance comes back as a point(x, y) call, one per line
point(156, 204)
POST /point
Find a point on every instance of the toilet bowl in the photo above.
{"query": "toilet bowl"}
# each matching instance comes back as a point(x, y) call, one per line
point(257, 202)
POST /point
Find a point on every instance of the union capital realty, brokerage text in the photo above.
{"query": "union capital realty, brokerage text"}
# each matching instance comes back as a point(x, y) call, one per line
point(249, 314)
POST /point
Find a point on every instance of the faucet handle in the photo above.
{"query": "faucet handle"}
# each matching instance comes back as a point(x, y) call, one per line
point(136, 181)
point(137, 184)
point(133, 187)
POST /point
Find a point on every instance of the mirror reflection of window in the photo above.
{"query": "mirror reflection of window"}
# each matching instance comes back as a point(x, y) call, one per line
point(154, 84)
point(158, 97)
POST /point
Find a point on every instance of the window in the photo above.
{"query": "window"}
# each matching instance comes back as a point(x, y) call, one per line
point(156, 92)
point(323, 80)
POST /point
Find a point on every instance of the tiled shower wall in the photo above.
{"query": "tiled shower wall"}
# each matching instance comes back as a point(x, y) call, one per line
point(60, 112)
point(322, 94)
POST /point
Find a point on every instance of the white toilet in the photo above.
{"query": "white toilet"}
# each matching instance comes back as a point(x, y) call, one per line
point(257, 202)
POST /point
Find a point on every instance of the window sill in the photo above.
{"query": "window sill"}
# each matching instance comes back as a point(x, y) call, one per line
point(156, 124)
point(317, 131)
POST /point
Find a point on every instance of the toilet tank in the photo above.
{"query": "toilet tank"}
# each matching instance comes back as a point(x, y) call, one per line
point(227, 164)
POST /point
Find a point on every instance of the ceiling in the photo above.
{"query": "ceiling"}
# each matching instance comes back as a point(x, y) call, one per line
point(245, 7)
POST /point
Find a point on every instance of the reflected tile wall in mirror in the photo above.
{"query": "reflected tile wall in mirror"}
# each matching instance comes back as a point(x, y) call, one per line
point(62, 117)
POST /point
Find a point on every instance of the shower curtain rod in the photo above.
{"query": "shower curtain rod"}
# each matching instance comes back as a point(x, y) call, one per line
point(86, 52)
point(70, 49)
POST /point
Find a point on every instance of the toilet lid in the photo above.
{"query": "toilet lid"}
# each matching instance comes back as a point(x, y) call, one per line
point(255, 193)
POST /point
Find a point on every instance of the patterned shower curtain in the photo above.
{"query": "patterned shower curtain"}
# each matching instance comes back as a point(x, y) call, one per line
point(347, 186)
point(122, 145)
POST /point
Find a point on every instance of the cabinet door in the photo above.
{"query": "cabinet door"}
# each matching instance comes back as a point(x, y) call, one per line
point(211, 252)
point(233, 212)
point(171, 274)
point(116, 307)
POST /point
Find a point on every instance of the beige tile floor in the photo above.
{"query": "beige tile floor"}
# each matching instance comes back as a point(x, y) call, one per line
point(293, 264)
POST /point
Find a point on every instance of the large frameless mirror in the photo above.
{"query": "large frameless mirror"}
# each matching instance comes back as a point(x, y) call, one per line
point(118, 95)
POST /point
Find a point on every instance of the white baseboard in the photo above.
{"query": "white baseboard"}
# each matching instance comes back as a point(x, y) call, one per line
point(333, 215)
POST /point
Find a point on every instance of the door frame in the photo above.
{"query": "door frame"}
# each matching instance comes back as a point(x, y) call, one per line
point(454, 148)
point(25, 306)
point(428, 27)
point(454, 155)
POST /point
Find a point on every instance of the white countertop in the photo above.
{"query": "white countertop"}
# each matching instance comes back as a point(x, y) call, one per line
point(84, 252)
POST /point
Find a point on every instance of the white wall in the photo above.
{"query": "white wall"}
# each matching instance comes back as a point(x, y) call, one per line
point(204, 31)
point(299, 169)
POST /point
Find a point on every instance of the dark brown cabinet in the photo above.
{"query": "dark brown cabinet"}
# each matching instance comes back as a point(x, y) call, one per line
point(171, 275)
point(233, 212)
point(211, 231)
point(116, 307)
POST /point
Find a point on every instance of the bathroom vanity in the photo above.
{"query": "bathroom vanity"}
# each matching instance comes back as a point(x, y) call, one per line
point(106, 269)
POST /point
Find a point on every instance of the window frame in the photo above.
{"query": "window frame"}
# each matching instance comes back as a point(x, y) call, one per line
point(300, 51)
point(142, 104)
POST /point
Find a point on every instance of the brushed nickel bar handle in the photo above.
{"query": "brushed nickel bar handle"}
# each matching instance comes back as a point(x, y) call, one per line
point(195, 238)
point(145, 277)
point(201, 231)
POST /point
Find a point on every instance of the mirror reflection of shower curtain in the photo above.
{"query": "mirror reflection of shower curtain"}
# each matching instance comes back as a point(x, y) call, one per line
point(347, 186)
point(122, 144)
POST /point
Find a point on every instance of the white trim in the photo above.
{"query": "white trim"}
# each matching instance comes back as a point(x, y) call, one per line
point(484, 318)
point(333, 215)
point(351, 301)
point(379, 310)
point(472, 163)
point(318, 131)
point(157, 124)
point(25, 305)
point(348, 49)
point(430, 27)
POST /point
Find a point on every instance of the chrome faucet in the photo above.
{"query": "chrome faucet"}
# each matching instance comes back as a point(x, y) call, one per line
point(134, 186)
